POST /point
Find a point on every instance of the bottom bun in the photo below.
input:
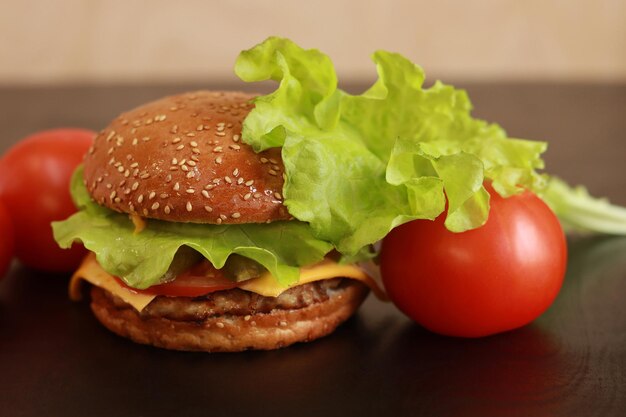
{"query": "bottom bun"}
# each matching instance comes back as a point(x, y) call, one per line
point(231, 332)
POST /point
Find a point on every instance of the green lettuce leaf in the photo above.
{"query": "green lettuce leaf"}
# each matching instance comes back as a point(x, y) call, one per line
point(141, 260)
point(580, 212)
point(359, 165)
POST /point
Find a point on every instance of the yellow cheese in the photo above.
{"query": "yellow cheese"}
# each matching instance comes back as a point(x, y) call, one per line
point(266, 285)
point(139, 223)
point(92, 272)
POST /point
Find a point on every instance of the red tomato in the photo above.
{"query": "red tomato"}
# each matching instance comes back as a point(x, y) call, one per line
point(200, 280)
point(484, 281)
point(34, 185)
point(6, 240)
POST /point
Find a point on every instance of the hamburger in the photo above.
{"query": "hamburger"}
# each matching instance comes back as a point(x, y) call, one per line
point(181, 162)
point(222, 221)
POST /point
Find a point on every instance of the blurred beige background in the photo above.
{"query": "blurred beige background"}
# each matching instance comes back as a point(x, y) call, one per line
point(78, 41)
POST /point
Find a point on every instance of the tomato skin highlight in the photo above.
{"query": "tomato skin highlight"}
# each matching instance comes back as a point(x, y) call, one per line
point(7, 243)
point(498, 277)
point(34, 185)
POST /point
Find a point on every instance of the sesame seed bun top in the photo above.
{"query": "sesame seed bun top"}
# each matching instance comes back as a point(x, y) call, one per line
point(181, 158)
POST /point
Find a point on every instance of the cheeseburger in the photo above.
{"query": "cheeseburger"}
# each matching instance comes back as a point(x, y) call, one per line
point(175, 175)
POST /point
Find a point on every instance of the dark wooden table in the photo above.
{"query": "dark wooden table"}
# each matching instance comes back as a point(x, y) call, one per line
point(56, 360)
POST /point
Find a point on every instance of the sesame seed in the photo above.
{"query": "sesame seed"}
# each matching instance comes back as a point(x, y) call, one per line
point(155, 206)
point(205, 193)
point(218, 149)
point(168, 178)
point(236, 138)
point(174, 161)
point(240, 180)
point(167, 209)
point(146, 138)
point(176, 187)
point(218, 160)
point(127, 173)
point(235, 147)
point(278, 196)
point(249, 183)
point(247, 317)
point(219, 220)
point(180, 147)
point(127, 191)
point(176, 140)
point(189, 207)
point(135, 140)
point(276, 167)
point(208, 208)
point(144, 176)
point(120, 168)
point(190, 191)
point(190, 134)
point(182, 161)
point(151, 196)
point(140, 199)
point(109, 186)
point(220, 133)
point(195, 150)
point(236, 172)
point(145, 212)
point(273, 161)
point(184, 168)
point(164, 195)
point(191, 174)
point(272, 172)
point(228, 180)
point(220, 325)
point(134, 165)
point(247, 196)
point(135, 185)
point(191, 163)
point(223, 217)
point(264, 160)
point(113, 193)
point(257, 195)
point(283, 323)
point(117, 199)
point(174, 168)
point(194, 144)
point(111, 134)
point(216, 180)
point(195, 157)
point(199, 128)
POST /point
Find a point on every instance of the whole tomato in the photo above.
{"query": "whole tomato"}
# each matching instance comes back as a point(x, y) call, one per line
point(488, 280)
point(34, 185)
point(6, 240)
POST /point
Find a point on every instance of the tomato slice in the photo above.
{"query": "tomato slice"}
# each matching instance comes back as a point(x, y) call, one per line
point(200, 280)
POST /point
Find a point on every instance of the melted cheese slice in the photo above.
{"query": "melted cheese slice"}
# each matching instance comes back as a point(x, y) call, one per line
point(266, 285)
point(91, 271)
